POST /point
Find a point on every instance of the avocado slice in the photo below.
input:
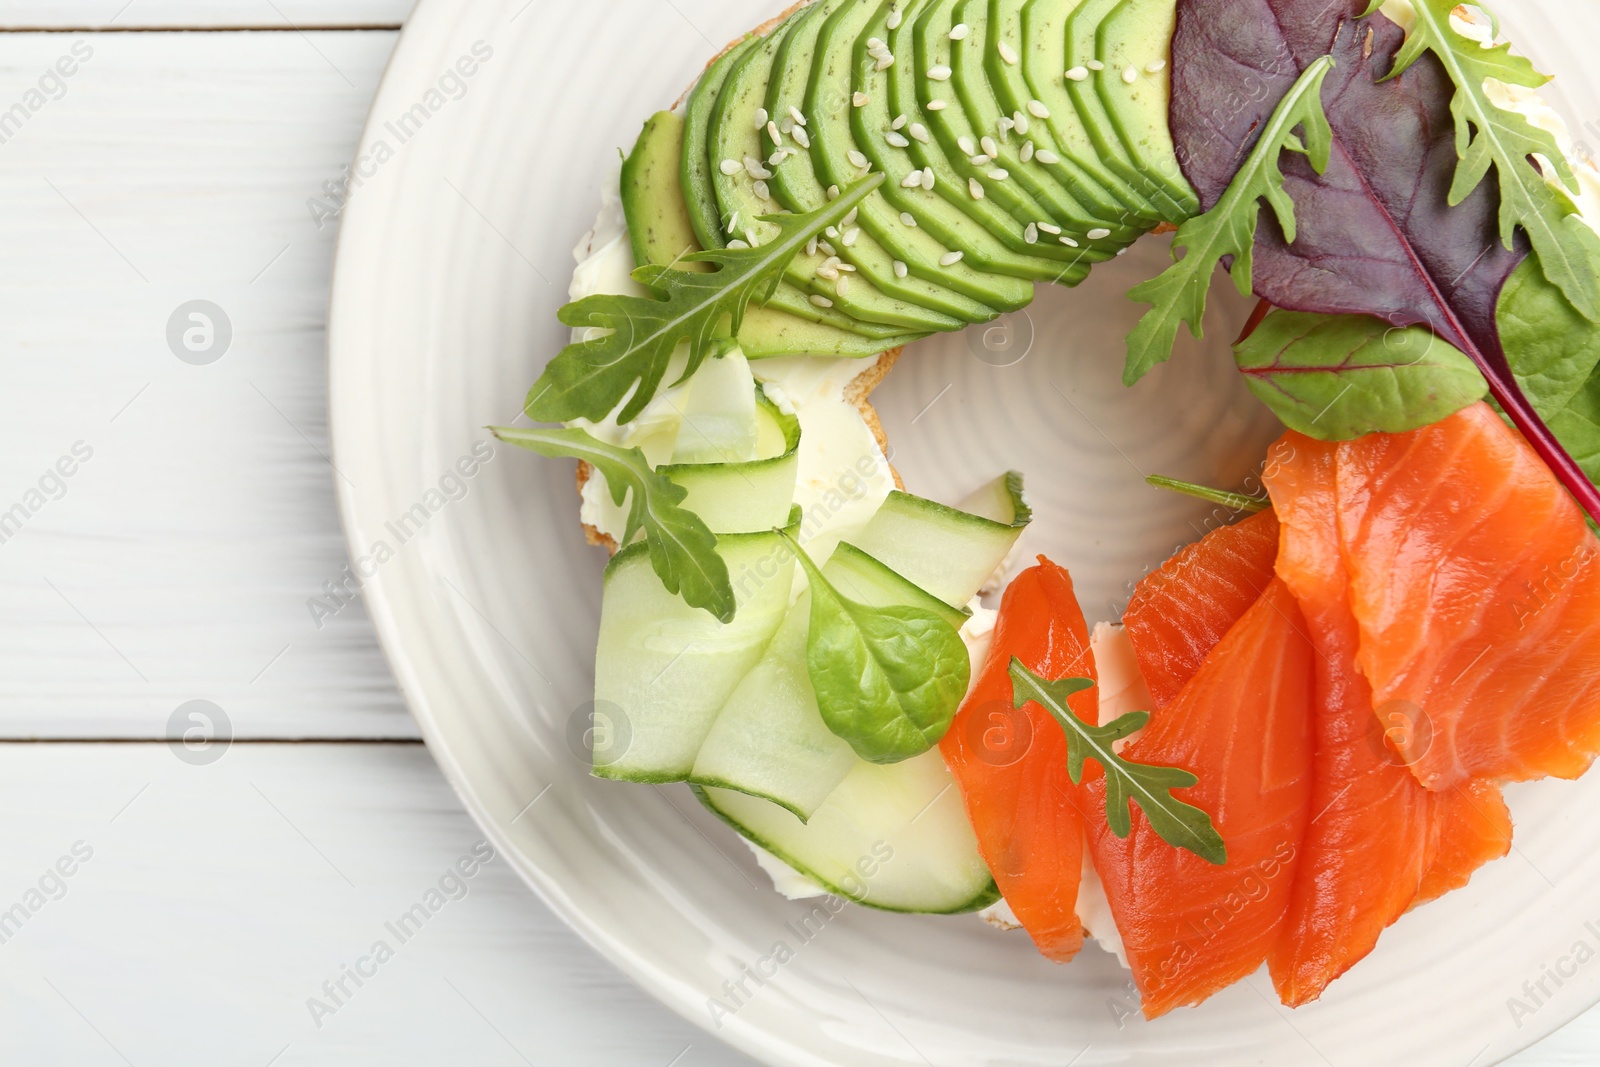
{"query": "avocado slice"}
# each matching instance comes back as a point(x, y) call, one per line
point(701, 199)
point(1134, 42)
point(798, 185)
point(745, 195)
point(840, 159)
point(892, 95)
point(1070, 162)
point(1011, 135)
point(1082, 56)
point(661, 231)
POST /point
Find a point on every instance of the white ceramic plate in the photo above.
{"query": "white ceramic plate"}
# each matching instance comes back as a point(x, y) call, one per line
point(453, 259)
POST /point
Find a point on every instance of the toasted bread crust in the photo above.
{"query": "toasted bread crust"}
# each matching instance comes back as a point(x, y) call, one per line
point(858, 392)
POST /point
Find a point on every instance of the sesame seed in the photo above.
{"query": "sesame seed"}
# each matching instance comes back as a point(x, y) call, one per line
point(1077, 74)
point(802, 138)
point(950, 259)
point(856, 158)
point(1031, 234)
point(733, 223)
point(1095, 64)
point(828, 248)
point(1007, 53)
point(981, 160)
point(795, 114)
point(753, 167)
point(842, 285)
point(975, 188)
point(893, 21)
point(1037, 109)
point(907, 218)
point(1051, 228)
point(897, 139)
point(850, 219)
point(821, 301)
point(912, 180)
point(999, 174)
point(786, 126)
point(850, 236)
point(1019, 122)
point(827, 273)
point(1005, 126)
point(861, 99)
point(937, 105)
point(1155, 66)
point(1047, 157)
point(1121, 250)
point(959, 31)
point(1027, 152)
point(730, 167)
point(762, 190)
point(750, 236)
point(966, 146)
point(928, 178)
point(772, 132)
point(847, 268)
point(811, 246)
point(831, 231)
point(939, 73)
point(1069, 242)
point(1097, 233)
point(761, 117)
point(919, 132)
point(885, 61)
point(900, 269)
point(875, 44)
point(737, 244)
point(833, 192)
point(899, 123)
point(777, 157)
point(1130, 74)
point(989, 147)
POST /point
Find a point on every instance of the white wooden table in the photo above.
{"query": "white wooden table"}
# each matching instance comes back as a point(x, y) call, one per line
point(220, 898)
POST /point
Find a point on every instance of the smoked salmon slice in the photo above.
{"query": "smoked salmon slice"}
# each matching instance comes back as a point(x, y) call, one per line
point(1376, 838)
point(1241, 724)
point(1011, 763)
point(1476, 585)
point(1178, 613)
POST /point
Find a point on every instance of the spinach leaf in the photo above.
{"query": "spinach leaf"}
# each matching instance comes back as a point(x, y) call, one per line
point(1552, 349)
point(887, 680)
point(683, 550)
point(1336, 377)
point(1178, 824)
point(1229, 228)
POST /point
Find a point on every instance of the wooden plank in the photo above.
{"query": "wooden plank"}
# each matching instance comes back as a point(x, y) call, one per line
point(178, 561)
point(197, 14)
point(216, 900)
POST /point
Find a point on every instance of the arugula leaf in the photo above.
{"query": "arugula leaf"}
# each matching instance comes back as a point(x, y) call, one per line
point(1336, 377)
point(1490, 136)
point(888, 680)
point(1228, 229)
point(1232, 501)
point(588, 379)
point(683, 550)
point(1178, 824)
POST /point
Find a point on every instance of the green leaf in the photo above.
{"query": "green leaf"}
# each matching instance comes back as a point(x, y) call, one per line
point(1229, 228)
point(1551, 348)
point(683, 550)
point(1232, 501)
point(636, 335)
point(1178, 824)
point(1490, 136)
point(888, 680)
point(1336, 377)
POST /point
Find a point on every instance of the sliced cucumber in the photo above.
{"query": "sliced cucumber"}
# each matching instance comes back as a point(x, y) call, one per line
point(894, 837)
point(718, 413)
point(663, 669)
point(949, 553)
point(751, 496)
point(769, 739)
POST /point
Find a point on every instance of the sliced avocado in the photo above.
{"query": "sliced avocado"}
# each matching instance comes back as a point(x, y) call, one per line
point(661, 231)
point(1082, 52)
point(797, 184)
point(701, 199)
point(839, 160)
point(1068, 158)
point(738, 140)
point(1134, 43)
point(947, 209)
point(1010, 134)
